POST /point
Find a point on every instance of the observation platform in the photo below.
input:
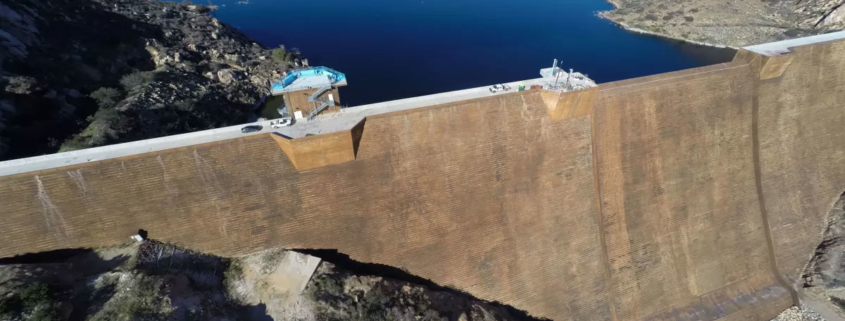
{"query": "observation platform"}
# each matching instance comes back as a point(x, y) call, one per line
point(556, 79)
point(310, 78)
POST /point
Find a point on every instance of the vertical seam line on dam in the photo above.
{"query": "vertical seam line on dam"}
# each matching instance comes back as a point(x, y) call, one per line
point(755, 146)
point(599, 220)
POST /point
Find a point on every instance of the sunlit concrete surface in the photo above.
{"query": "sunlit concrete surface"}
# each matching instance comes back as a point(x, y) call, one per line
point(782, 47)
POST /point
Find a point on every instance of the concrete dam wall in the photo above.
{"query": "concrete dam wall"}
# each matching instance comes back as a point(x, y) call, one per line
point(691, 195)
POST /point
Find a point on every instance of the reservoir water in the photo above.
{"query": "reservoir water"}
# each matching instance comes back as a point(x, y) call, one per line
point(392, 49)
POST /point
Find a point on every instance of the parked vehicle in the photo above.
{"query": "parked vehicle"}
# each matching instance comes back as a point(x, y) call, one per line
point(281, 122)
point(251, 128)
point(499, 87)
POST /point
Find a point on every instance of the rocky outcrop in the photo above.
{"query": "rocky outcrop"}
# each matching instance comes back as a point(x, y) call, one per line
point(227, 76)
point(731, 23)
point(824, 15)
point(824, 276)
point(150, 280)
point(18, 32)
point(176, 67)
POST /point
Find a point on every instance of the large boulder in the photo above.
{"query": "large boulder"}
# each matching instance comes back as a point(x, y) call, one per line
point(260, 82)
point(227, 76)
point(21, 85)
point(233, 57)
point(835, 19)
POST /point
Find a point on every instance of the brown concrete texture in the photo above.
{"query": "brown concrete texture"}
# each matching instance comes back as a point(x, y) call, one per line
point(465, 195)
point(317, 151)
point(681, 196)
point(570, 104)
point(678, 196)
point(801, 115)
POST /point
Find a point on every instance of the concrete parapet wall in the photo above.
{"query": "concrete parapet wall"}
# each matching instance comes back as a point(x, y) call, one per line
point(692, 195)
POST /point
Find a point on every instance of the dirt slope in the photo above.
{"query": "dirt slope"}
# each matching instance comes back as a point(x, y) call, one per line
point(731, 23)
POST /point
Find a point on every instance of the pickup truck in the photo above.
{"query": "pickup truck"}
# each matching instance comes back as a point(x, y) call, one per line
point(281, 122)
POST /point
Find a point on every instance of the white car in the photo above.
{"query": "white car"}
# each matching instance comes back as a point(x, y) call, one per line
point(281, 122)
point(498, 88)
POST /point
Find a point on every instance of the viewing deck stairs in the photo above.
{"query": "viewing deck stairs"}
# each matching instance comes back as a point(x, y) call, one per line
point(323, 103)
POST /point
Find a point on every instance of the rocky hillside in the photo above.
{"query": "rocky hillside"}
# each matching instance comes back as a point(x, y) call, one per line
point(733, 23)
point(824, 276)
point(83, 73)
point(155, 281)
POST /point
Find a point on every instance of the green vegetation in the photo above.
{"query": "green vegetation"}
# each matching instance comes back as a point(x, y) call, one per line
point(142, 299)
point(234, 272)
point(325, 286)
point(97, 132)
point(106, 97)
point(384, 301)
point(280, 54)
point(33, 302)
point(336, 305)
point(99, 124)
point(135, 79)
point(231, 276)
point(271, 259)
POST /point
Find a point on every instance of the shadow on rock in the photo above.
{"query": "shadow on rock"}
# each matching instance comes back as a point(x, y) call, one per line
point(78, 47)
point(56, 284)
point(395, 287)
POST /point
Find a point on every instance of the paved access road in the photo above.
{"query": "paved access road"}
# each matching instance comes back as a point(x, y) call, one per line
point(329, 123)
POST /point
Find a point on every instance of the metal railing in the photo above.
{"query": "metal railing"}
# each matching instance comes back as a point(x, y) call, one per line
point(334, 76)
point(315, 97)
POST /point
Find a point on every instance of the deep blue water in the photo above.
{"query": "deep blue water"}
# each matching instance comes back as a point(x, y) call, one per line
point(391, 49)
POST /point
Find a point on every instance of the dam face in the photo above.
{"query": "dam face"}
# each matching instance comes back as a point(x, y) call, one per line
point(692, 195)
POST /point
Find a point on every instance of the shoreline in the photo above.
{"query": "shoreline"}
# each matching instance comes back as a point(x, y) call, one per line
point(626, 27)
